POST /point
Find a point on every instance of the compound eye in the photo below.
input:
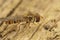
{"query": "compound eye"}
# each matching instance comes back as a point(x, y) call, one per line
point(37, 19)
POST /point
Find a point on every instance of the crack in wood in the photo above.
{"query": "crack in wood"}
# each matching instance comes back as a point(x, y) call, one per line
point(12, 11)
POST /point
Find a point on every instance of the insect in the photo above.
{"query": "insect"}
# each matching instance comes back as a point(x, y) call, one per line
point(17, 19)
point(29, 18)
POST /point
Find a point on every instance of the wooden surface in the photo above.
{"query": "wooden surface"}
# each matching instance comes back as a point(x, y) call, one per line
point(48, 28)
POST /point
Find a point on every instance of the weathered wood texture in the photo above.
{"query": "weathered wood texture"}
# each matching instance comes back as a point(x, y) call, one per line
point(47, 29)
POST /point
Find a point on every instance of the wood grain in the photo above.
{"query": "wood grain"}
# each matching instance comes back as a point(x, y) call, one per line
point(48, 28)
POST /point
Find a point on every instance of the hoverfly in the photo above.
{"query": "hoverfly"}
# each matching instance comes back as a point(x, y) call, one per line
point(29, 18)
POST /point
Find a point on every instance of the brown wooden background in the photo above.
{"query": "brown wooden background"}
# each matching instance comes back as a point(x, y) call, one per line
point(49, 9)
